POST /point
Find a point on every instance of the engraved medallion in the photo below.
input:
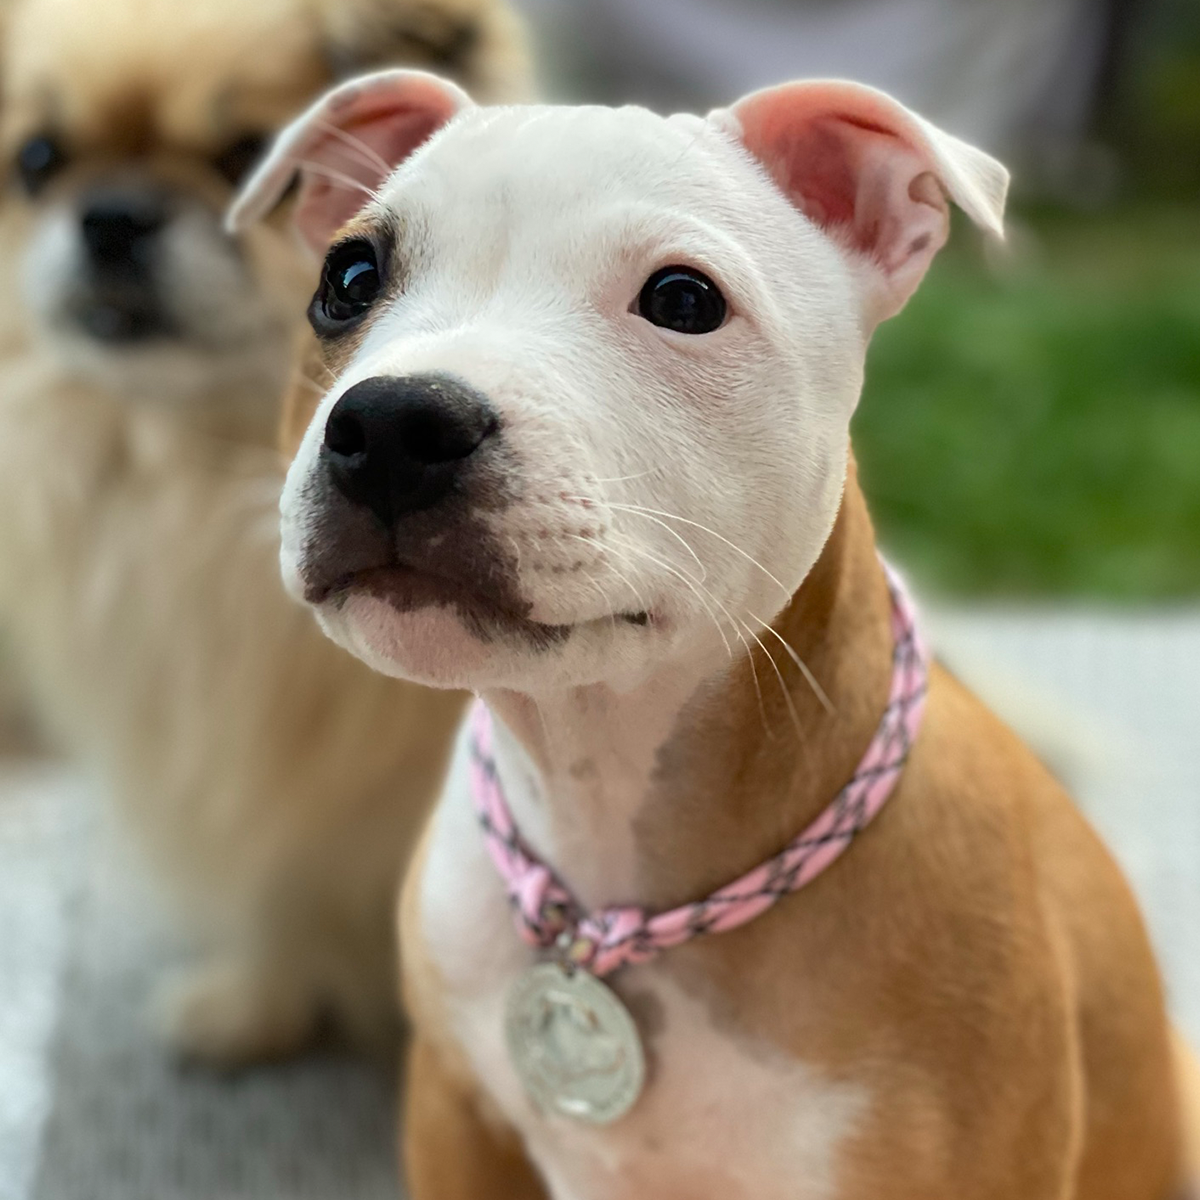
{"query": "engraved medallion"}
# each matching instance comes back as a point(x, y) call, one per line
point(574, 1044)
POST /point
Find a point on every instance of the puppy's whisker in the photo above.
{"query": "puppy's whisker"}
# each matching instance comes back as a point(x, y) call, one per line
point(700, 593)
point(688, 581)
point(809, 677)
point(642, 605)
point(758, 694)
point(787, 695)
point(627, 478)
point(546, 738)
point(316, 384)
point(366, 154)
point(678, 537)
point(637, 508)
point(734, 624)
point(609, 607)
point(613, 570)
point(347, 181)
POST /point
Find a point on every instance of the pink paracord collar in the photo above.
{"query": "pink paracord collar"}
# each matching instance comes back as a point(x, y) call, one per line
point(547, 914)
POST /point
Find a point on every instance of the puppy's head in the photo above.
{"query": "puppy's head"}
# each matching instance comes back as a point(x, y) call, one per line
point(126, 125)
point(593, 369)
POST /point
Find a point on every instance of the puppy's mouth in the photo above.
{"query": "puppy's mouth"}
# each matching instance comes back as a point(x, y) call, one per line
point(407, 589)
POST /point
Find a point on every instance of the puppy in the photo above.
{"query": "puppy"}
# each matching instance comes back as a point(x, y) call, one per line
point(275, 784)
point(586, 451)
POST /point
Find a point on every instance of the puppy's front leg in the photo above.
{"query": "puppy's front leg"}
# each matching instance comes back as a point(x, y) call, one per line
point(451, 1150)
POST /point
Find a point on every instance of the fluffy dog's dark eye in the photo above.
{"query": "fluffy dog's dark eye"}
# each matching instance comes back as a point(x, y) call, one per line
point(351, 282)
point(682, 299)
point(38, 161)
point(235, 161)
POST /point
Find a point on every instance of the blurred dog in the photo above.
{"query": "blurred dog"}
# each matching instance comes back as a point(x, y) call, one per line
point(275, 781)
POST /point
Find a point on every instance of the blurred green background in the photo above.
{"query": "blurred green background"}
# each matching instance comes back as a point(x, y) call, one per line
point(1031, 423)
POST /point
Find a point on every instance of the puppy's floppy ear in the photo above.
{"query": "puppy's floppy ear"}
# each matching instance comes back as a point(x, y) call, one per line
point(872, 174)
point(344, 147)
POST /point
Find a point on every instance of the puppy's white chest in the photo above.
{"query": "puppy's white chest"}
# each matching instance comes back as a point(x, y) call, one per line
point(720, 1115)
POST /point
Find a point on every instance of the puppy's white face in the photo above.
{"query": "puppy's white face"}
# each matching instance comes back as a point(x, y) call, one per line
point(635, 473)
point(594, 375)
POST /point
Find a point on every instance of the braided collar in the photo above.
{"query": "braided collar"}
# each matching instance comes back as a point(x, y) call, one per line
point(546, 913)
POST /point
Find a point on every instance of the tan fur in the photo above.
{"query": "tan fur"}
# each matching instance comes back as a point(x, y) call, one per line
point(1187, 1071)
point(975, 960)
point(452, 1141)
point(274, 781)
point(303, 392)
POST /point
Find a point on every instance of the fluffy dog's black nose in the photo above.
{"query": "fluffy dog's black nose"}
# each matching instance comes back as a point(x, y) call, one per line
point(117, 225)
point(398, 445)
point(118, 300)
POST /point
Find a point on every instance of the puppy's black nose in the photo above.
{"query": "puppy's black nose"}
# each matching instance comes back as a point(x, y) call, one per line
point(398, 445)
point(118, 225)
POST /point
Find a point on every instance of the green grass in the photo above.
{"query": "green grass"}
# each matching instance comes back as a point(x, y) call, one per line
point(1034, 429)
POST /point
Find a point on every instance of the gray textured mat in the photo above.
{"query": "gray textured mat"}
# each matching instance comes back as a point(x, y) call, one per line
point(98, 1113)
point(89, 1109)
point(41, 853)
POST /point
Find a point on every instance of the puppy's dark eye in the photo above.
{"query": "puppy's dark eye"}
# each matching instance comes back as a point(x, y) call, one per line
point(38, 161)
point(235, 161)
point(350, 283)
point(682, 299)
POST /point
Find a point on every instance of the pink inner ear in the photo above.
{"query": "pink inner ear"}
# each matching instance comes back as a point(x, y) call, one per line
point(343, 168)
point(358, 141)
point(841, 172)
point(818, 164)
point(867, 182)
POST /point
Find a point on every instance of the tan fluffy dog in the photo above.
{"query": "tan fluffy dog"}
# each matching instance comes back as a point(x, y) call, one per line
point(275, 782)
point(588, 452)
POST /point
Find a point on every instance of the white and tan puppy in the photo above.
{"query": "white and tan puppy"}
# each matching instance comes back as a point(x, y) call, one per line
point(274, 782)
point(587, 452)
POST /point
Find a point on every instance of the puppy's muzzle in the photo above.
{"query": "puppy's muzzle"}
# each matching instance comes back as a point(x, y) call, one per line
point(406, 505)
point(398, 446)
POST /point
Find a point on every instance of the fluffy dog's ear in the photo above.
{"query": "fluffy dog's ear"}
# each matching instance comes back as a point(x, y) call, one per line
point(480, 44)
point(872, 174)
point(344, 147)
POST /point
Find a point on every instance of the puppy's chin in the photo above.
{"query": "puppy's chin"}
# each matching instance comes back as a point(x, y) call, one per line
point(437, 646)
point(430, 645)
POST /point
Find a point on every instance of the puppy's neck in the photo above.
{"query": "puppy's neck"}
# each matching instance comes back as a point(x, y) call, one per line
point(659, 796)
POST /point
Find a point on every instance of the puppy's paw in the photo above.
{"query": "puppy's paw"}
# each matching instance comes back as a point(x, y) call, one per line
point(228, 1015)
